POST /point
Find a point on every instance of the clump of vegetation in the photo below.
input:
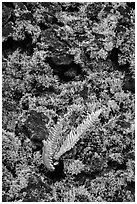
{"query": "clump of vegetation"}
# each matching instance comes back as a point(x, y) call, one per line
point(62, 61)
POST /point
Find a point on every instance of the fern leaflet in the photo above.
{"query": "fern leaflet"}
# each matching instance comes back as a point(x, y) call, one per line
point(46, 155)
point(50, 146)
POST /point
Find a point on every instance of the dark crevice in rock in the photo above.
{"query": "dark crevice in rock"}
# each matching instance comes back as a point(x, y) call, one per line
point(124, 68)
point(17, 95)
point(43, 26)
point(117, 166)
point(11, 44)
point(66, 71)
point(113, 56)
point(129, 83)
point(9, 4)
point(131, 5)
point(10, 168)
point(58, 173)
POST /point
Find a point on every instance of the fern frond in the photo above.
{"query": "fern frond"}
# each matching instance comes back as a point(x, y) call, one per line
point(46, 156)
point(77, 133)
point(50, 146)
